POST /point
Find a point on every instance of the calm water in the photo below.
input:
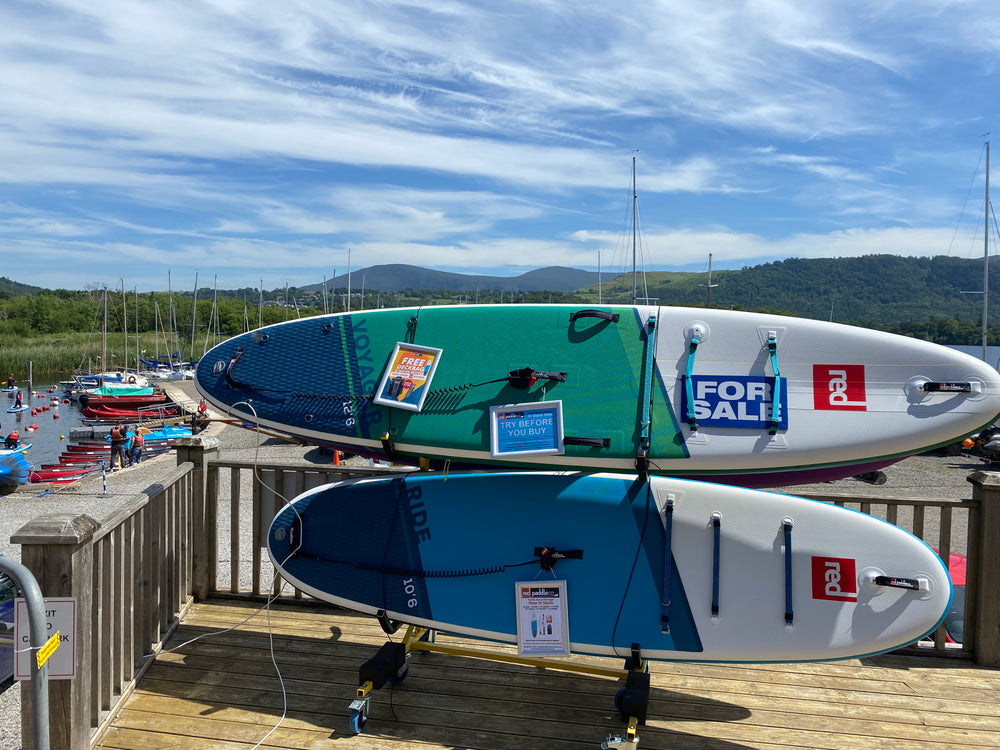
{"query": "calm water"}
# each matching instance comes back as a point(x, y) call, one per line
point(54, 425)
point(992, 353)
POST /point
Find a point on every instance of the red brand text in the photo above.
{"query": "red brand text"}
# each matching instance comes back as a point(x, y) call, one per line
point(835, 579)
point(839, 388)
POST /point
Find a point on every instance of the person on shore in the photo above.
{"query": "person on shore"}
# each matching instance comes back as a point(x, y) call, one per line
point(135, 453)
point(12, 440)
point(117, 438)
point(127, 445)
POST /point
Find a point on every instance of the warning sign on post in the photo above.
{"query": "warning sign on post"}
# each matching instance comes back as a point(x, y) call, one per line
point(60, 619)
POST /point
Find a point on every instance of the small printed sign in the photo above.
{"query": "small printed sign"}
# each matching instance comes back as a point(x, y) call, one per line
point(743, 401)
point(48, 649)
point(60, 619)
point(542, 621)
point(526, 429)
point(407, 377)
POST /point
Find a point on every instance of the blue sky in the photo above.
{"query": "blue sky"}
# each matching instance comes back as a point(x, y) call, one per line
point(250, 141)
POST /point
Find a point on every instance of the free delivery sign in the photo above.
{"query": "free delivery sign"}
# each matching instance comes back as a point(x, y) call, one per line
point(742, 401)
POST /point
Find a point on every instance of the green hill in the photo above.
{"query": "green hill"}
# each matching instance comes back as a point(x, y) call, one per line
point(398, 277)
point(879, 289)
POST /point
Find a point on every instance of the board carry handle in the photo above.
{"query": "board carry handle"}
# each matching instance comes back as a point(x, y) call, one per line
point(966, 387)
point(547, 556)
point(528, 376)
point(588, 442)
point(912, 584)
point(591, 313)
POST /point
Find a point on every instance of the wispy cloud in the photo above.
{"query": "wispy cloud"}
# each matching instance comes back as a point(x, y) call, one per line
point(267, 138)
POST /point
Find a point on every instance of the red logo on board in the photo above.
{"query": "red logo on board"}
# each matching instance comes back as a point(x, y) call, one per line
point(835, 579)
point(839, 388)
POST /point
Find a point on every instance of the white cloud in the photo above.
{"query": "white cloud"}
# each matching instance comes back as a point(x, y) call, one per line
point(248, 135)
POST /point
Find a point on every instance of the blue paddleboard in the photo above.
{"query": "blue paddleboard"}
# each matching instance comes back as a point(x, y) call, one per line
point(688, 570)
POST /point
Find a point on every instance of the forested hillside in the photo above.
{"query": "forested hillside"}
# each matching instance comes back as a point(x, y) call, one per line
point(874, 289)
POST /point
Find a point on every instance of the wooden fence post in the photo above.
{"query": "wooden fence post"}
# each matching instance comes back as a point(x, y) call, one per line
point(986, 635)
point(57, 549)
point(200, 450)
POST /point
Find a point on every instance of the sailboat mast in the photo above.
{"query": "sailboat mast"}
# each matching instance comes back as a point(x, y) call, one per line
point(986, 255)
point(104, 338)
point(124, 326)
point(635, 210)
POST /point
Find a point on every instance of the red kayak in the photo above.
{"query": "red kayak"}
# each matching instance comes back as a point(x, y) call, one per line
point(87, 447)
point(123, 402)
point(84, 458)
point(58, 475)
point(110, 414)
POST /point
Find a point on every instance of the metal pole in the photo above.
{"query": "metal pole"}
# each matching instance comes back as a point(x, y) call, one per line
point(37, 627)
point(986, 255)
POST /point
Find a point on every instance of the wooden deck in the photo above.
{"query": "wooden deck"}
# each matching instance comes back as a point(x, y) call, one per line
point(222, 692)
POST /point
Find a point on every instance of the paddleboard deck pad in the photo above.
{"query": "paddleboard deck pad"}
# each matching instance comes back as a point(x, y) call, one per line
point(690, 571)
point(751, 399)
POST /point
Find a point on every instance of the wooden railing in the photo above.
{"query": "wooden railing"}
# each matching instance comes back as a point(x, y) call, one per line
point(134, 573)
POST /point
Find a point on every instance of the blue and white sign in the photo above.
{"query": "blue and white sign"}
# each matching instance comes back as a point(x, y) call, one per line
point(526, 429)
point(736, 401)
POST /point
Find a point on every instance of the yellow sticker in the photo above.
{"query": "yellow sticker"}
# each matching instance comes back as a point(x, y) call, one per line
point(48, 649)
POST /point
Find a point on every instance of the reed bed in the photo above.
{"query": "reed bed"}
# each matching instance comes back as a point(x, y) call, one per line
point(67, 352)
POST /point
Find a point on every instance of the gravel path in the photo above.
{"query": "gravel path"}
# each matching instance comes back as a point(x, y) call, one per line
point(919, 476)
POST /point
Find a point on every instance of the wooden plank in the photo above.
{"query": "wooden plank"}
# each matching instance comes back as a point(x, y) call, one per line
point(222, 691)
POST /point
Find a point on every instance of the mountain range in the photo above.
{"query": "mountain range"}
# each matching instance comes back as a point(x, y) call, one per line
point(398, 277)
point(869, 290)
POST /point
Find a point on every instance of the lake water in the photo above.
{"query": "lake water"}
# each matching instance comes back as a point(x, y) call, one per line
point(54, 424)
point(992, 353)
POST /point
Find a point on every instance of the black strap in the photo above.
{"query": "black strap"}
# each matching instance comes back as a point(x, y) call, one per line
point(547, 556)
point(602, 314)
point(589, 442)
point(526, 377)
point(786, 526)
point(668, 565)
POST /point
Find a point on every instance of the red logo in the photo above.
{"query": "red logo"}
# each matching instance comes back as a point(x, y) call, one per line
point(834, 578)
point(839, 388)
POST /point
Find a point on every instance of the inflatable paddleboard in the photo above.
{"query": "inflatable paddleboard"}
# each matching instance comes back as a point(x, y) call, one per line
point(15, 409)
point(578, 563)
point(14, 468)
point(751, 399)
